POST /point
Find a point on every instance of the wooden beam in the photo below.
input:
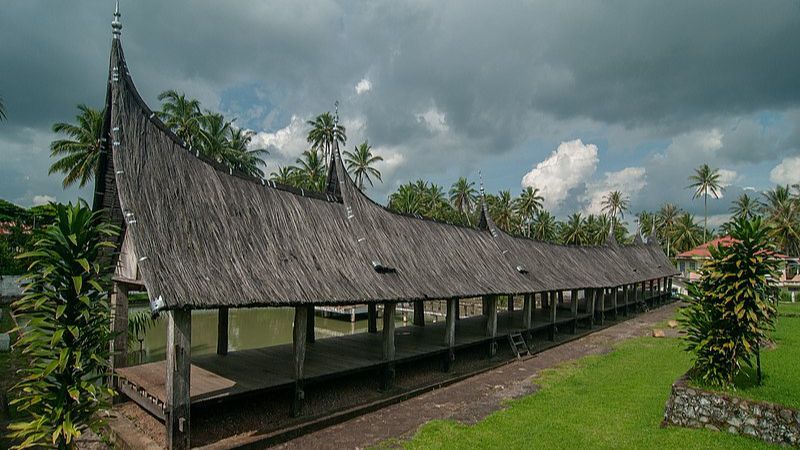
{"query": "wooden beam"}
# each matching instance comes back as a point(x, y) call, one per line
point(491, 323)
point(222, 330)
point(299, 351)
point(372, 318)
point(119, 326)
point(419, 313)
point(614, 301)
point(178, 367)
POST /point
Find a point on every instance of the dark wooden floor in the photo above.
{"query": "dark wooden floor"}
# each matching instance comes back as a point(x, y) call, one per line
point(215, 377)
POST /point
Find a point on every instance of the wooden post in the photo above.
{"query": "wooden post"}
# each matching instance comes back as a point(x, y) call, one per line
point(553, 305)
point(614, 301)
point(588, 296)
point(419, 313)
point(311, 336)
point(372, 318)
point(388, 343)
point(669, 288)
point(222, 331)
point(299, 341)
point(624, 293)
point(652, 292)
point(491, 323)
point(450, 333)
point(178, 366)
point(527, 312)
point(510, 303)
point(573, 304)
point(119, 326)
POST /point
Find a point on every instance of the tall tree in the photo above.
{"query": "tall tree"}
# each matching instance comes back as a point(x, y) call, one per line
point(182, 115)
point(80, 152)
point(361, 164)
point(527, 205)
point(501, 209)
point(665, 223)
point(463, 196)
point(310, 171)
point(407, 200)
point(705, 181)
point(573, 231)
point(745, 207)
point(239, 156)
point(324, 132)
point(615, 204)
point(544, 227)
point(782, 210)
point(283, 175)
point(687, 233)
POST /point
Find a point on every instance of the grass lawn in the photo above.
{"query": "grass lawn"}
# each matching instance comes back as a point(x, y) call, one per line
point(780, 365)
point(611, 401)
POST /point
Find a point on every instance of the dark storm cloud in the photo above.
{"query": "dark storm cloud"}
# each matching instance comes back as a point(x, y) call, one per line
point(500, 73)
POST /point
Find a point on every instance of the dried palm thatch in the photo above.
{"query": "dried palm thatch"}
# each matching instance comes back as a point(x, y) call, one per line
point(207, 237)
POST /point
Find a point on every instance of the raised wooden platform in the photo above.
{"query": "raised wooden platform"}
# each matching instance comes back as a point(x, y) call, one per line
point(217, 378)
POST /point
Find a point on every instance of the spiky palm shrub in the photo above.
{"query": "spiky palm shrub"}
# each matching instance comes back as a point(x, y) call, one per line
point(65, 332)
point(732, 306)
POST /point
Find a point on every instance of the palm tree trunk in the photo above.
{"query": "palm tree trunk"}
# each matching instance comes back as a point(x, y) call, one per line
point(705, 216)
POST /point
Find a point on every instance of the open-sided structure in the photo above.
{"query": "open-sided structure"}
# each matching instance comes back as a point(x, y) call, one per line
point(197, 235)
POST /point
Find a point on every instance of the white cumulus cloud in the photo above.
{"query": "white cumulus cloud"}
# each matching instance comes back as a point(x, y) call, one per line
point(434, 120)
point(787, 172)
point(42, 199)
point(363, 86)
point(566, 168)
point(285, 144)
point(630, 181)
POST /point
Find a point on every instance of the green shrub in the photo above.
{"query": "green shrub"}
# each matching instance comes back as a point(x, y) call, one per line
point(66, 333)
point(732, 307)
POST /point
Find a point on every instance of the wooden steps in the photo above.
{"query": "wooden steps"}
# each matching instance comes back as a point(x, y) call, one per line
point(518, 345)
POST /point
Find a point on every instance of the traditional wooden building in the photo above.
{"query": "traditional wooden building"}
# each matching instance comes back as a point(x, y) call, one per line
point(197, 235)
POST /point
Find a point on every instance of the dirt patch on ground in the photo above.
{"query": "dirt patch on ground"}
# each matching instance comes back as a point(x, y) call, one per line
point(473, 399)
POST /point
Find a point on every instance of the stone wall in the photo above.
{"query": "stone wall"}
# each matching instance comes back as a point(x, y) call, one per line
point(10, 288)
point(697, 408)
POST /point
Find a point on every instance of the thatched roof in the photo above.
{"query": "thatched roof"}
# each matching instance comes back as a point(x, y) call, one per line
point(206, 237)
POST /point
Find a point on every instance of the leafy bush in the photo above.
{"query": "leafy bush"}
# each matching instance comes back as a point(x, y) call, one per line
point(732, 306)
point(66, 331)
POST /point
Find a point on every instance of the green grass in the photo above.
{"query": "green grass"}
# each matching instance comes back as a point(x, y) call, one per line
point(786, 308)
point(780, 366)
point(611, 401)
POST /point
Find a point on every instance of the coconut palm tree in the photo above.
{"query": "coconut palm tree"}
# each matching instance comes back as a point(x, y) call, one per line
point(502, 211)
point(283, 175)
point(615, 204)
point(687, 233)
point(79, 154)
point(406, 199)
point(360, 163)
point(665, 223)
point(324, 132)
point(573, 231)
point(310, 170)
point(544, 227)
point(241, 158)
point(647, 222)
point(597, 228)
point(782, 210)
point(527, 205)
point(745, 207)
point(704, 181)
point(182, 115)
point(463, 196)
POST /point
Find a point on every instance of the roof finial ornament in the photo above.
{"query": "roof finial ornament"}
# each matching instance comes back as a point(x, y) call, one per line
point(116, 24)
point(480, 176)
point(336, 114)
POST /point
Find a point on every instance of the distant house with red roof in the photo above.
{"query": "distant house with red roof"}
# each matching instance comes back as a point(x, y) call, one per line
point(690, 262)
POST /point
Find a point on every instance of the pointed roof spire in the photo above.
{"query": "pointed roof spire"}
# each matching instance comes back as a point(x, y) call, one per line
point(116, 24)
point(653, 238)
point(332, 185)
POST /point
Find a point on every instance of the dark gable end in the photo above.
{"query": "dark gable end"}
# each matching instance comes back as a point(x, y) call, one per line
point(206, 237)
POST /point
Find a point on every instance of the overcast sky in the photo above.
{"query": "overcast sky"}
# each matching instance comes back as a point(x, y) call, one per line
point(575, 98)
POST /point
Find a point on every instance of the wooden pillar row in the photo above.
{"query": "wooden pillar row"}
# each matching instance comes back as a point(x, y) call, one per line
point(299, 342)
point(178, 378)
point(450, 333)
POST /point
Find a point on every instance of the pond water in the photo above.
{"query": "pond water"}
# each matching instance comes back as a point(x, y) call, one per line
point(247, 328)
